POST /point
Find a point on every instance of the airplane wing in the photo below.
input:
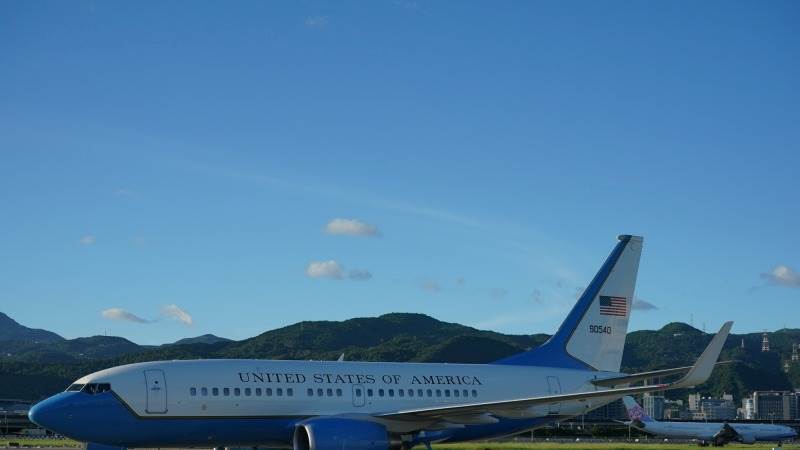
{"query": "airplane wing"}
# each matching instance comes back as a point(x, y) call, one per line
point(641, 376)
point(697, 374)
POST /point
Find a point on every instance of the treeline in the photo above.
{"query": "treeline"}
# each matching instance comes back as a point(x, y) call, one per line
point(33, 371)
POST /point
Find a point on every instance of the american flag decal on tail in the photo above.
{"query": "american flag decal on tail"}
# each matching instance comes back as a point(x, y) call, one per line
point(613, 306)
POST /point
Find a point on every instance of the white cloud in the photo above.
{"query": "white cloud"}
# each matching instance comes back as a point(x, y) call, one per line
point(174, 312)
point(121, 314)
point(89, 239)
point(333, 270)
point(431, 286)
point(316, 22)
point(352, 227)
point(359, 275)
point(783, 275)
point(642, 305)
point(325, 269)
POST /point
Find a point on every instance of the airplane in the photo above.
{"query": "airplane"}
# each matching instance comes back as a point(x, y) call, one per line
point(328, 405)
point(716, 433)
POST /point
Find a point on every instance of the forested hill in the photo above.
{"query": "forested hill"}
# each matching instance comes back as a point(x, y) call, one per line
point(11, 330)
point(33, 369)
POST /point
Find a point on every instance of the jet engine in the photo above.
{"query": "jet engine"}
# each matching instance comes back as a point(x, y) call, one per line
point(725, 435)
point(335, 433)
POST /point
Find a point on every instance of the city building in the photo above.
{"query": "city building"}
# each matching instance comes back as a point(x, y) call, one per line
point(748, 409)
point(653, 406)
point(718, 408)
point(775, 405)
point(612, 411)
point(676, 410)
point(694, 402)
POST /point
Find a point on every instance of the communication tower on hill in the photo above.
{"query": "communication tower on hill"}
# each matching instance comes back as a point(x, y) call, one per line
point(795, 355)
point(764, 343)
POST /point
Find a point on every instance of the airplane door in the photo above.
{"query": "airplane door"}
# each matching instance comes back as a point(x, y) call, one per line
point(358, 395)
point(156, 391)
point(554, 388)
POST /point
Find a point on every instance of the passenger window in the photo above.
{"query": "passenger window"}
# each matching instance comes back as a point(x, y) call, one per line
point(192, 391)
point(310, 392)
point(204, 392)
point(330, 392)
point(430, 393)
point(380, 392)
point(391, 392)
point(419, 392)
point(226, 391)
point(279, 392)
point(474, 393)
point(410, 392)
point(248, 392)
point(258, 392)
point(237, 392)
point(339, 392)
point(455, 393)
point(438, 392)
point(401, 393)
point(290, 392)
point(465, 392)
point(320, 392)
point(447, 393)
point(358, 392)
point(369, 392)
point(269, 392)
point(215, 391)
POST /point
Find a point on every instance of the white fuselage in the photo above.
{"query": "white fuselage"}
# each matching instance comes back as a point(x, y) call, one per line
point(240, 388)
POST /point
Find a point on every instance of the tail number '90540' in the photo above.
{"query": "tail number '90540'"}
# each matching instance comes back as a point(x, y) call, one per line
point(600, 329)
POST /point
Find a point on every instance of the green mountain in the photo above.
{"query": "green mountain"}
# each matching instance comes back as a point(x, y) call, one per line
point(204, 339)
point(34, 370)
point(678, 344)
point(10, 330)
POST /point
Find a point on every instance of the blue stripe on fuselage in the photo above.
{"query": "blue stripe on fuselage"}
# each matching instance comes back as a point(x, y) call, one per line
point(104, 418)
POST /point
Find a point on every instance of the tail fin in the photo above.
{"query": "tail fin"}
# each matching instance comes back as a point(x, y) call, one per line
point(593, 334)
point(635, 412)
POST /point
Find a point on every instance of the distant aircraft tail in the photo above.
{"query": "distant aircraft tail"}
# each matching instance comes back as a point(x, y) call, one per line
point(635, 412)
point(593, 334)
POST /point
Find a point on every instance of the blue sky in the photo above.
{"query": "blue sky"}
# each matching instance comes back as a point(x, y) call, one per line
point(188, 156)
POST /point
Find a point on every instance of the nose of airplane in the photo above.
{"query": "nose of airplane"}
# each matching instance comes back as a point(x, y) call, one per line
point(49, 413)
point(38, 414)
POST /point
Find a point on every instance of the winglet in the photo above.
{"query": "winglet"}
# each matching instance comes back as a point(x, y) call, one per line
point(702, 368)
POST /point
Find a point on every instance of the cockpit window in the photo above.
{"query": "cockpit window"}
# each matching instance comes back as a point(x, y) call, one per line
point(74, 387)
point(93, 388)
